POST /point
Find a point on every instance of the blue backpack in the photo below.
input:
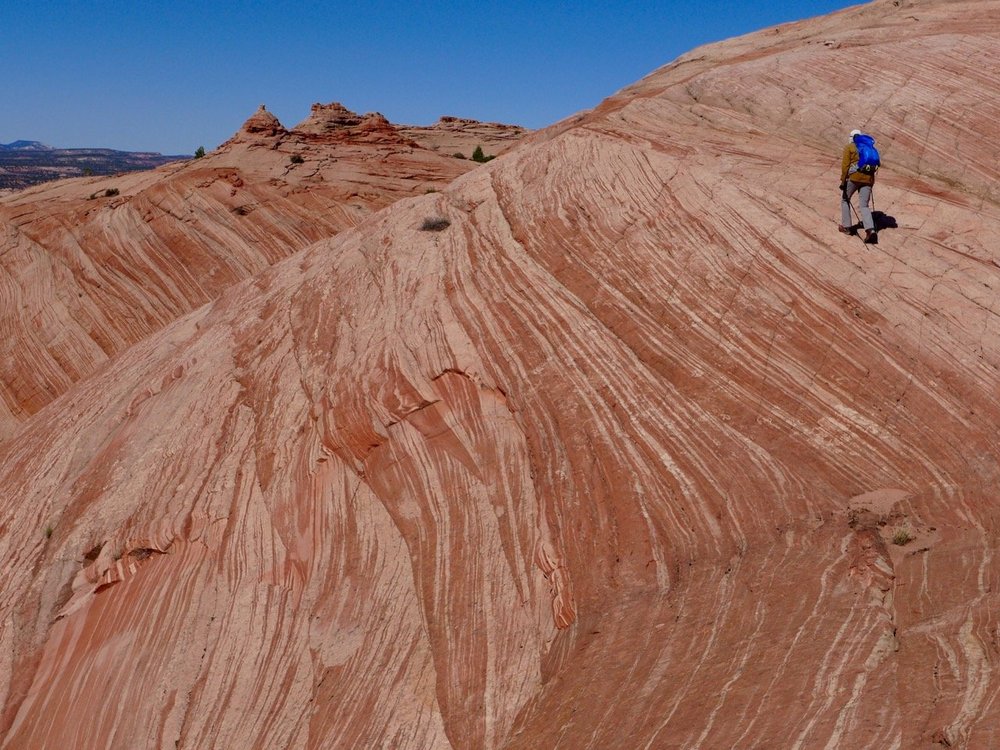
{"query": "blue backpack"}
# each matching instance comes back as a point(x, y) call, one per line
point(868, 158)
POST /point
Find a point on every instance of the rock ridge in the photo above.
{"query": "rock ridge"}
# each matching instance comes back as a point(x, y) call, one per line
point(334, 123)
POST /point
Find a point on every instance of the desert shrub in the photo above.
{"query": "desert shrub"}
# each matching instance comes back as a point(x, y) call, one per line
point(902, 537)
point(111, 192)
point(200, 152)
point(434, 224)
point(479, 156)
point(296, 159)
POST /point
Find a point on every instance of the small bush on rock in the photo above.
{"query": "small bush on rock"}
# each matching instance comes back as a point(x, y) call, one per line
point(479, 156)
point(902, 537)
point(296, 159)
point(434, 224)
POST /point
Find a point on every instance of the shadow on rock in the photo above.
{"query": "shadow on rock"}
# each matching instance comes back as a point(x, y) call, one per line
point(884, 221)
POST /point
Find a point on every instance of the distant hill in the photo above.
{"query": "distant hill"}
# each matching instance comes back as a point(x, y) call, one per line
point(25, 146)
point(27, 163)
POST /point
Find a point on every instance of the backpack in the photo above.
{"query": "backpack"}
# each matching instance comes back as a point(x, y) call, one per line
point(868, 158)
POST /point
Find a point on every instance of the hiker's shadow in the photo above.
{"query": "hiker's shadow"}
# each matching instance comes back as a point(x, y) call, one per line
point(884, 221)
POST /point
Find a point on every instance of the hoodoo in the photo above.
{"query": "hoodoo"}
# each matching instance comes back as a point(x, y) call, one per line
point(264, 123)
point(327, 118)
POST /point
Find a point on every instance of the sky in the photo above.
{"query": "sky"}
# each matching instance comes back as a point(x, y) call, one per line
point(173, 76)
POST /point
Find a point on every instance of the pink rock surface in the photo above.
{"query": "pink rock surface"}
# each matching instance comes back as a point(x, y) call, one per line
point(451, 135)
point(85, 274)
point(617, 459)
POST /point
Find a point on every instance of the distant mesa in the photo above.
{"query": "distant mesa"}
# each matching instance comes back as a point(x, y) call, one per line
point(25, 146)
point(25, 163)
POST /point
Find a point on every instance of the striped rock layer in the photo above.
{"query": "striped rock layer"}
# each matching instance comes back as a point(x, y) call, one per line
point(90, 266)
point(637, 452)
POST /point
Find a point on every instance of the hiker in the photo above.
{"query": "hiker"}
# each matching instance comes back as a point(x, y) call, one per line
point(857, 175)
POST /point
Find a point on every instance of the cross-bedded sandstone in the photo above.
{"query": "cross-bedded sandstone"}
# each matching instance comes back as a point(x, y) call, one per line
point(619, 458)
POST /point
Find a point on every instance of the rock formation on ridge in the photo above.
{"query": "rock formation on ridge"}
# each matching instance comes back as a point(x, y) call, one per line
point(617, 459)
point(451, 135)
point(261, 123)
point(448, 136)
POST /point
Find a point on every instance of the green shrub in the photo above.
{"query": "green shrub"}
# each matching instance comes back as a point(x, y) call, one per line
point(296, 159)
point(200, 152)
point(479, 156)
point(902, 537)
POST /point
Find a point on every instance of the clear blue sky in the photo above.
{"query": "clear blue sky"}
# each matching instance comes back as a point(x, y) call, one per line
point(172, 76)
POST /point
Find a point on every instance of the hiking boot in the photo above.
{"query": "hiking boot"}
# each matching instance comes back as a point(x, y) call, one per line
point(847, 230)
point(871, 237)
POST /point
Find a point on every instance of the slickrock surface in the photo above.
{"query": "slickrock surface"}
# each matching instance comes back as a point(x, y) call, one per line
point(457, 135)
point(618, 459)
point(85, 273)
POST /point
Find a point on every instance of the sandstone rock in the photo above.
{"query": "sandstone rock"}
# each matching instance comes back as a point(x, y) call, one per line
point(85, 276)
point(326, 118)
point(601, 464)
point(263, 122)
point(451, 135)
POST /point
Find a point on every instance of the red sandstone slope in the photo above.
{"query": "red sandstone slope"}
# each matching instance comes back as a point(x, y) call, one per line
point(615, 460)
point(87, 274)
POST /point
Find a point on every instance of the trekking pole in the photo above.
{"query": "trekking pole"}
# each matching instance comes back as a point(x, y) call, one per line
point(857, 221)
